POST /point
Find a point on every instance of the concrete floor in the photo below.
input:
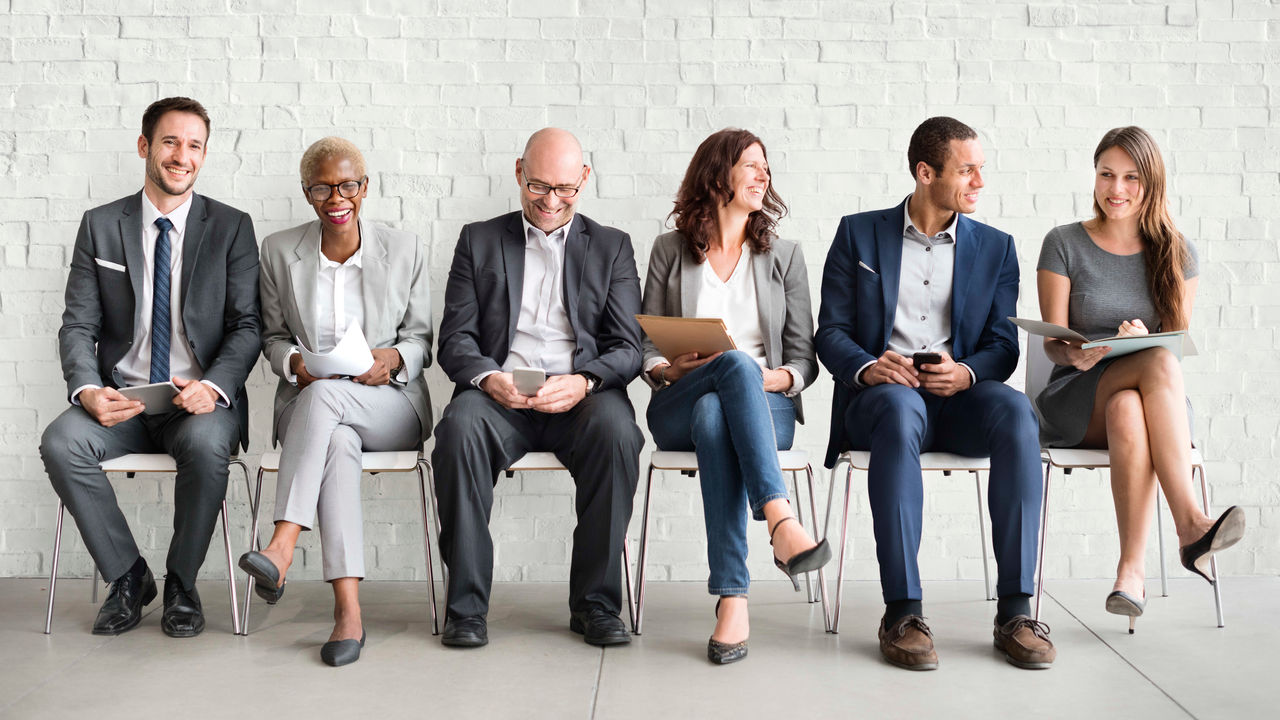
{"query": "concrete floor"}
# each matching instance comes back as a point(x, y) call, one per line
point(1177, 665)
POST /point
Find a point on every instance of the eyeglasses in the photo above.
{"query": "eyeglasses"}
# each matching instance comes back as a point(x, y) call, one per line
point(561, 191)
point(348, 189)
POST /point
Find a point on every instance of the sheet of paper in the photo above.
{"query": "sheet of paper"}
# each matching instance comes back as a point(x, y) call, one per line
point(350, 356)
point(1039, 327)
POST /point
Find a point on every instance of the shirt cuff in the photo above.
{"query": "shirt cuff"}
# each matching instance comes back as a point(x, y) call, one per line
point(654, 362)
point(858, 383)
point(224, 402)
point(285, 372)
point(480, 378)
point(973, 379)
point(75, 394)
point(797, 382)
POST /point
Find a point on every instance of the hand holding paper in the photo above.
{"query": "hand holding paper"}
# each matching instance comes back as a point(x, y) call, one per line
point(350, 357)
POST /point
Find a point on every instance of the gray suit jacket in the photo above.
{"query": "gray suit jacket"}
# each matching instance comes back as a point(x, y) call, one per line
point(219, 296)
point(482, 300)
point(782, 294)
point(397, 304)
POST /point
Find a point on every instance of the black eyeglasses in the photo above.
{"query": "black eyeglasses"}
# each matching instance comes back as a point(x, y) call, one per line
point(561, 191)
point(348, 189)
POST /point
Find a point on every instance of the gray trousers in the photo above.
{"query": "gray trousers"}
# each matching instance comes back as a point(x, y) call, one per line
point(74, 444)
point(324, 431)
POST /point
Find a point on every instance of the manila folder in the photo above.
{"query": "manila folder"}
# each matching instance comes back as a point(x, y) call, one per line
point(676, 336)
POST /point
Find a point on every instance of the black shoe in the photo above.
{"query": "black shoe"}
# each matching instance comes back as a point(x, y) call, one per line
point(465, 632)
point(803, 561)
point(598, 626)
point(122, 610)
point(1226, 532)
point(342, 652)
point(725, 653)
point(183, 615)
point(266, 578)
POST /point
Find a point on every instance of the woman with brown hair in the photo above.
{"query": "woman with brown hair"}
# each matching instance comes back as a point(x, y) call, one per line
point(1128, 271)
point(734, 409)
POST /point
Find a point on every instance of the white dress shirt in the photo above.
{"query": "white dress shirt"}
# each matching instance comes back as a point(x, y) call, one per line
point(339, 303)
point(135, 366)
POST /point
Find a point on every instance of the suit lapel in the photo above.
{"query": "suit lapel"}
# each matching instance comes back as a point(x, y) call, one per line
point(373, 272)
point(576, 244)
point(302, 277)
point(192, 239)
point(131, 239)
point(761, 268)
point(889, 251)
point(513, 265)
point(967, 251)
point(690, 281)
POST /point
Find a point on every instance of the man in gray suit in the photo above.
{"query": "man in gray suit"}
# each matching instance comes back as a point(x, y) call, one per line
point(548, 289)
point(163, 286)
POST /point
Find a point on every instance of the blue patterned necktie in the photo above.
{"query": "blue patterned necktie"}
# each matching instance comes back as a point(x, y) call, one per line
point(160, 304)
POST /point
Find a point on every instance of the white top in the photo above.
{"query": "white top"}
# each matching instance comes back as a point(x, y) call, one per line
point(734, 301)
point(135, 366)
point(339, 303)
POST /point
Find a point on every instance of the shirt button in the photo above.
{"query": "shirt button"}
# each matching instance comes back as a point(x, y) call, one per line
point(922, 317)
point(926, 282)
point(929, 249)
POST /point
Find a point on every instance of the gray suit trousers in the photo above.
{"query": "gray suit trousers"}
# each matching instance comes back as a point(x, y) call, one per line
point(324, 430)
point(74, 444)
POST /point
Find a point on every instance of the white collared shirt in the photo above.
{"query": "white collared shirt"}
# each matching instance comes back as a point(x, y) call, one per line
point(339, 298)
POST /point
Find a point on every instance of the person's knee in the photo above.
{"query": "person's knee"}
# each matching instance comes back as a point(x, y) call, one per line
point(612, 425)
point(63, 447)
point(344, 442)
point(204, 439)
point(1161, 368)
point(707, 420)
point(1124, 415)
point(898, 413)
point(320, 396)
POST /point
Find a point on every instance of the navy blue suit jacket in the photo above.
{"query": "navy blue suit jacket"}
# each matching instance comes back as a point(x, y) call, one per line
point(855, 320)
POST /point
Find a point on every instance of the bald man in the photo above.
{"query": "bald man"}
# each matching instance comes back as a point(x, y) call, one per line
point(549, 289)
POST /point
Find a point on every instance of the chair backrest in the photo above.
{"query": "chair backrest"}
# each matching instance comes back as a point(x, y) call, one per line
point(1039, 366)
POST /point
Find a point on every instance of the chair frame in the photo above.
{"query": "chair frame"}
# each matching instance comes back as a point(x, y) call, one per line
point(372, 463)
point(946, 463)
point(686, 463)
point(131, 464)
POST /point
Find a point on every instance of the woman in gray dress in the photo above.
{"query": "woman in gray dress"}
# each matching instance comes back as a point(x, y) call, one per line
point(1124, 272)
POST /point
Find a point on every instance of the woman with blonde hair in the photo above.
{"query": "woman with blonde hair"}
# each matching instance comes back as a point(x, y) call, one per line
point(1128, 271)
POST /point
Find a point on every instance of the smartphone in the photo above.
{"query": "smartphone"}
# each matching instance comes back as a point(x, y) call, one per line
point(529, 380)
point(925, 358)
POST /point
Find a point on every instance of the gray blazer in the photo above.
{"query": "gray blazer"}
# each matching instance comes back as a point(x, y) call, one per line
point(782, 291)
point(397, 304)
point(219, 296)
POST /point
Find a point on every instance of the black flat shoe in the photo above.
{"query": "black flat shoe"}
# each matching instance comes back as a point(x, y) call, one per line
point(725, 653)
point(599, 627)
point(1226, 532)
point(803, 561)
point(122, 610)
point(465, 632)
point(337, 653)
point(1120, 602)
point(183, 614)
point(265, 575)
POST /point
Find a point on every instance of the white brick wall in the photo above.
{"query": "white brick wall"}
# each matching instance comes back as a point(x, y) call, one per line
point(442, 93)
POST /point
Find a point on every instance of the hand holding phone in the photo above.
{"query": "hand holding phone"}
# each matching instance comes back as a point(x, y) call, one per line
point(925, 358)
point(528, 380)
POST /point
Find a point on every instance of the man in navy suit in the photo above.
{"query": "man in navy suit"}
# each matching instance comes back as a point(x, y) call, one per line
point(921, 277)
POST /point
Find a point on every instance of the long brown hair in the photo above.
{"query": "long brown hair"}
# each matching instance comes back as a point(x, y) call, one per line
point(705, 189)
point(1164, 248)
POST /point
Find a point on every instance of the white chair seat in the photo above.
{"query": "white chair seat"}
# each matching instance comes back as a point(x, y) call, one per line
point(385, 461)
point(140, 462)
point(537, 461)
point(790, 460)
point(1090, 458)
point(929, 462)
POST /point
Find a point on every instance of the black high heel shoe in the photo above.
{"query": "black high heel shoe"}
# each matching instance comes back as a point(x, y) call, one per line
point(725, 653)
point(1120, 602)
point(1226, 532)
point(803, 561)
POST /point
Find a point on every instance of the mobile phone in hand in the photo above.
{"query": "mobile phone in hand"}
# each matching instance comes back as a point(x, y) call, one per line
point(925, 358)
point(528, 380)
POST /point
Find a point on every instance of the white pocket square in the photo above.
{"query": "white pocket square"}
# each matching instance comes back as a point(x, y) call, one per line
point(109, 265)
point(867, 267)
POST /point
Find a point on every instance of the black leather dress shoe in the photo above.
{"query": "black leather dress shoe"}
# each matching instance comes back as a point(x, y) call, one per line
point(465, 632)
point(183, 614)
point(122, 610)
point(599, 627)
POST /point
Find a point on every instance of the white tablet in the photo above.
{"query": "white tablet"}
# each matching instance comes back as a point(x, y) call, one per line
point(156, 397)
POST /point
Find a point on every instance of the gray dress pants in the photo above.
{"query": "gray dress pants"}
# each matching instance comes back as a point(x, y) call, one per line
point(74, 444)
point(324, 431)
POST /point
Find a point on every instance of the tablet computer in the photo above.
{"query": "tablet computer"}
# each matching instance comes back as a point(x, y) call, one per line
point(156, 397)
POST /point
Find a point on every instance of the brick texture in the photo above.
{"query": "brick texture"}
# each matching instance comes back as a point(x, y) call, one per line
point(441, 95)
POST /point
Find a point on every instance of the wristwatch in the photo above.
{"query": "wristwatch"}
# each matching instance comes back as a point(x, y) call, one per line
point(593, 382)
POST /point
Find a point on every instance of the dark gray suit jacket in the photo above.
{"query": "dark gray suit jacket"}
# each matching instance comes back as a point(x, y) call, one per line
point(782, 299)
point(482, 300)
point(219, 296)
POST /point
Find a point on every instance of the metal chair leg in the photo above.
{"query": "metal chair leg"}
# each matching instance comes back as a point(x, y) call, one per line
point(254, 544)
point(799, 506)
point(822, 578)
point(231, 571)
point(644, 553)
point(844, 541)
point(93, 585)
point(1164, 574)
point(1213, 560)
point(987, 590)
point(53, 572)
point(426, 542)
point(626, 571)
point(1044, 529)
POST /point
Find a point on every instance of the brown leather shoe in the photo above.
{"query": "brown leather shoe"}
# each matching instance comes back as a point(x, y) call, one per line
point(1025, 643)
point(908, 644)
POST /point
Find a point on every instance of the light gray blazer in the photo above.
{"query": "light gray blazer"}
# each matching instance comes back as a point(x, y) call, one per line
point(782, 292)
point(397, 304)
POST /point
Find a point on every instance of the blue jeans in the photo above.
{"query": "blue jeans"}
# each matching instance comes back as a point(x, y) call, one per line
point(722, 413)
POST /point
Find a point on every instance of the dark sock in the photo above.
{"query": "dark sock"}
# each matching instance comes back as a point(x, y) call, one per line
point(1011, 606)
point(898, 609)
point(137, 570)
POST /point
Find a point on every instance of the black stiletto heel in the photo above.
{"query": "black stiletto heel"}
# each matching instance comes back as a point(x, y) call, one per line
point(1226, 532)
point(803, 561)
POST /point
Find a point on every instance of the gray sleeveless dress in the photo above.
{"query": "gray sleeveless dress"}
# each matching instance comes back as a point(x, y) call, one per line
point(1106, 290)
